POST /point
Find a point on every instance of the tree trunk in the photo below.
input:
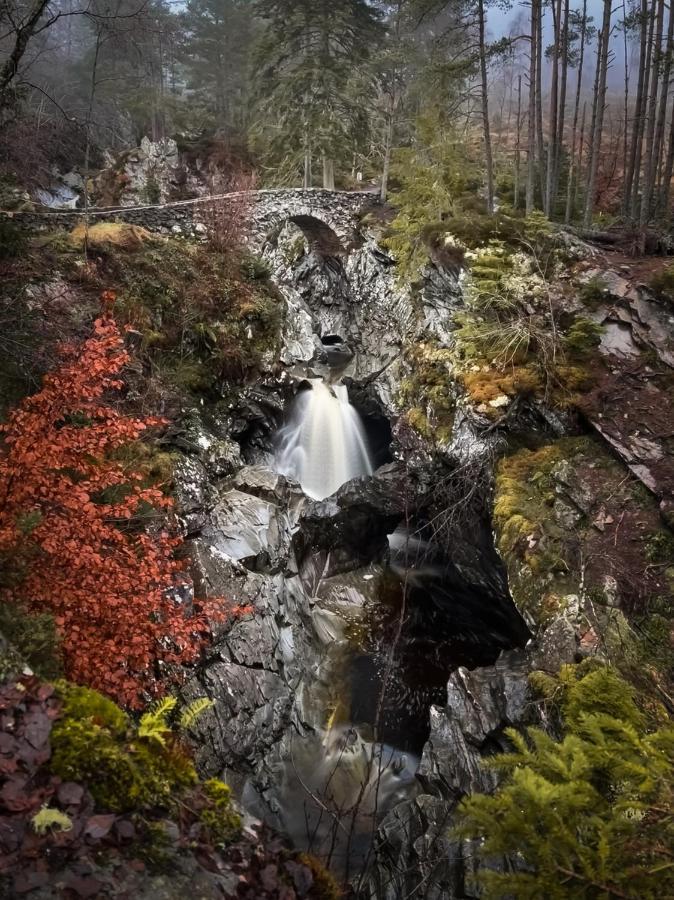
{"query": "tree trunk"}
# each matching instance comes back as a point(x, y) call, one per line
point(539, 98)
point(22, 36)
point(531, 123)
point(388, 142)
point(328, 173)
point(649, 173)
point(598, 118)
point(659, 142)
point(307, 165)
point(554, 96)
point(485, 111)
point(87, 145)
point(669, 166)
point(570, 194)
point(561, 115)
point(579, 170)
point(516, 186)
point(626, 99)
point(641, 122)
point(630, 171)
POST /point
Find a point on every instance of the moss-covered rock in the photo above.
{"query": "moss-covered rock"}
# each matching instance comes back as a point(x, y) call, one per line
point(33, 640)
point(96, 743)
point(219, 817)
point(427, 394)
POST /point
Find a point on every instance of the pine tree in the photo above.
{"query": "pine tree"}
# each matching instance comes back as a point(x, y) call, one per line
point(307, 58)
point(218, 40)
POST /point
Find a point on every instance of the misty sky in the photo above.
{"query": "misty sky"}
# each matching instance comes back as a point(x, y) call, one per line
point(500, 23)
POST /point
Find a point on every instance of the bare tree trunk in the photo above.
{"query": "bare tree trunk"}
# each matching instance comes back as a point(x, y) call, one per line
point(561, 116)
point(626, 100)
point(307, 174)
point(631, 172)
point(21, 36)
point(554, 97)
point(485, 110)
point(598, 118)
point(649, 173)
point(388, 143)
point(539, 98)
point(516, 186)
point(328, 173)
point(641, 122)
point(87, 146)
point(659, 143)
point(581, 145)
point(669, 166)
point(531, 122)
point(570, 193)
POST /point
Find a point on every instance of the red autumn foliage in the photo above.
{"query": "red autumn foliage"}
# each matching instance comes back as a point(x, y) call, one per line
point(70, 536)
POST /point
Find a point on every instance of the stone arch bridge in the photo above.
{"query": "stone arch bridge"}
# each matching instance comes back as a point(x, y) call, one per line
point(328, 219)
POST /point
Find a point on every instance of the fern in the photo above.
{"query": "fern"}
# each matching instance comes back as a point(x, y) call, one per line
point(154, 724)
point(192, 712)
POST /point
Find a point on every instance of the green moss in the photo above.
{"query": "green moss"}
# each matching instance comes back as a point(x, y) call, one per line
point(537, 550)
point(96, 743)
point(325, 886)
point(219, 816)
point(488, 383)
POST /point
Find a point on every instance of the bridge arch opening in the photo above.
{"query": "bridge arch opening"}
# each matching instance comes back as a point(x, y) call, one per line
point(321, 238)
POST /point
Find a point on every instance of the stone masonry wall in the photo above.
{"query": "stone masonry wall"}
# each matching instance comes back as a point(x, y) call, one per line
point(328, 218)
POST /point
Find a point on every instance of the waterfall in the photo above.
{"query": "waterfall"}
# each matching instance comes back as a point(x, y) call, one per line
point(323, 444)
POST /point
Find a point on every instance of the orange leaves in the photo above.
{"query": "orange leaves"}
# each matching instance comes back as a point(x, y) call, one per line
point(78, 555)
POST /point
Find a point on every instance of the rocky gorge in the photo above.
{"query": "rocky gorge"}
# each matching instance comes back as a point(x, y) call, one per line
point(356, 704)
point(391, 627)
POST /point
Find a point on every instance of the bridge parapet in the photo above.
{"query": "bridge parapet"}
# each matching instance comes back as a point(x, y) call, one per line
point(329, 219)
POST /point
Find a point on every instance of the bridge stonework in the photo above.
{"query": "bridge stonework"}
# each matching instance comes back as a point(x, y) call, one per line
point(329, 219)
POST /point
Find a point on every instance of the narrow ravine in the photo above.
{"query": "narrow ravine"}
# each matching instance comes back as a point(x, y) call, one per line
point(366, 595)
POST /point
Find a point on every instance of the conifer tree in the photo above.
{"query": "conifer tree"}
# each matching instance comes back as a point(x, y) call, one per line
point(588, 815)
point(307, 57)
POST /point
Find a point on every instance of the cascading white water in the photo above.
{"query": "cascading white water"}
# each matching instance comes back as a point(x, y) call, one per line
point(323, 444)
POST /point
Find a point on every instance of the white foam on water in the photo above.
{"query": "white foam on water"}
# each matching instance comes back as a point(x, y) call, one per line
point(323, 444)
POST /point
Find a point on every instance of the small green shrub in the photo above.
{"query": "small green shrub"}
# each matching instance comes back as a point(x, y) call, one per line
point(152, 189)
point(594, 292)
point(588, 815)
point(12, 240)
point(254, 268)
point(582, 338)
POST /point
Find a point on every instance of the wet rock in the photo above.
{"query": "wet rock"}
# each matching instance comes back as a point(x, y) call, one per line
point(354, 522)
point(249, 530)
point(413, 845)
point(192, 492)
